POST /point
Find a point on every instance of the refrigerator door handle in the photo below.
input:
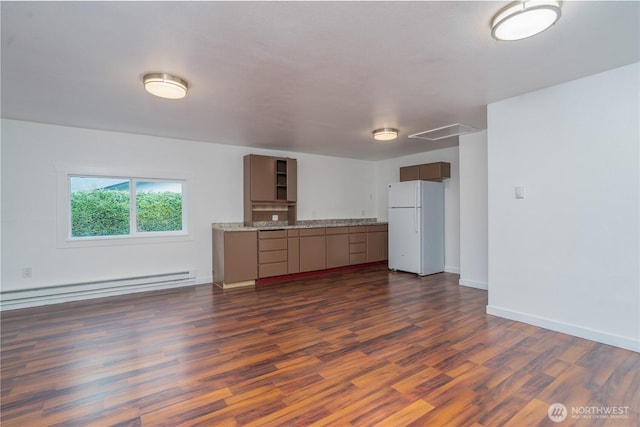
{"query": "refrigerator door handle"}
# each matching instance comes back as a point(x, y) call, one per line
point(415, 209)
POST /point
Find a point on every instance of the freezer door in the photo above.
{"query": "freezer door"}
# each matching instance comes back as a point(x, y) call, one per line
point(404, 240)
point(404, 194)
point(432, 220)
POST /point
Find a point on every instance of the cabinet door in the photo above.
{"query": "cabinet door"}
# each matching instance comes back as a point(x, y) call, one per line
point(292, 180)
point(240, 256)
point(313, 254)
point(263, 178)
point(337, 250)
point(294, 255)
point(385, 245)
point(409, 173)
point(375, 246)
point(435, 171)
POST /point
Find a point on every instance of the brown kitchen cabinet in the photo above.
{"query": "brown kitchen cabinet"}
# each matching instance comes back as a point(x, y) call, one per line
point(235, 257)
point(337, 246)
point(377, 243)
point(260, 172)
point(272, 253)
point(313, 255)
point(270, 189)
point(436, 171)
point(242, 257)
point(293, 251)
point(357, 245)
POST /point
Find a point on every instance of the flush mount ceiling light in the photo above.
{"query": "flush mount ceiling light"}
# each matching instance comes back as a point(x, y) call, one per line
point(165, 85)
point(523, 19)
point(385, 134)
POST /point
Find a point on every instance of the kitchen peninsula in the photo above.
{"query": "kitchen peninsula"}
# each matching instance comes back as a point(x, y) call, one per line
point(243, 255)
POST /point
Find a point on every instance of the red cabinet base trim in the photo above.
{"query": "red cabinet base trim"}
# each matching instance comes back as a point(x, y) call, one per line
point(275, 279)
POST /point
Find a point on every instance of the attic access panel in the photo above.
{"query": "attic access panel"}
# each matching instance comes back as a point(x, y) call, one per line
point(455, 129)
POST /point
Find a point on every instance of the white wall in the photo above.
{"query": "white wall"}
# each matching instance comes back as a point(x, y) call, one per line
point(567, 256)
point(328, 187)
point(388, 171)
point(474, 255)
point(333, 188)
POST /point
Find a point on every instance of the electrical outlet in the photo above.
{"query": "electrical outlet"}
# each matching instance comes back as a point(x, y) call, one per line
point(27, 273)
point(274, 217)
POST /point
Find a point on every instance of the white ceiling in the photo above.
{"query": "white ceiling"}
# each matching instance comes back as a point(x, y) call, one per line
point(313, 77)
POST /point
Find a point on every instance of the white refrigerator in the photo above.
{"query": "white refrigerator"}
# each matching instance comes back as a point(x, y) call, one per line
point(416, 227)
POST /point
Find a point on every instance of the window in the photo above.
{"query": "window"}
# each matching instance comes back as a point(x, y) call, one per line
point(158, 206)
point(102, 207)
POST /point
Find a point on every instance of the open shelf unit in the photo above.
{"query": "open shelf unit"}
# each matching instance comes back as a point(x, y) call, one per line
point(281, 180)
point(270, 189)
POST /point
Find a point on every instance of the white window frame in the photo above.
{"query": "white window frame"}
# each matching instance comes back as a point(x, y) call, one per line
point(66, 240)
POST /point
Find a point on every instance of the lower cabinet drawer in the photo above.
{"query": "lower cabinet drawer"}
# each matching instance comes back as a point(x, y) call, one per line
point(272, 244)
point(271, 234)
point(358, 237)
point(360, 258)
point(272, 256)
point(337, 230)
point(357, 248)
point(320, 231)
point(273, 269)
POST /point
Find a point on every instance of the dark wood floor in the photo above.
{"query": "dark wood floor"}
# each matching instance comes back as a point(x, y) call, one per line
point(361, 347)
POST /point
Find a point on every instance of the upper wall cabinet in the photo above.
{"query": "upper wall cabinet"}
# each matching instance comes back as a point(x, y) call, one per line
point(426, 172)
point(259, 177)
point(270, 189)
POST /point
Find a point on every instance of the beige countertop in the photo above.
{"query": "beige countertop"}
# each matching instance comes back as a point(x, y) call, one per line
point(315, 223)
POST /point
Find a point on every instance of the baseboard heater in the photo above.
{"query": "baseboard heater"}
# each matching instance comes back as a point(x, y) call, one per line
point(33, 297)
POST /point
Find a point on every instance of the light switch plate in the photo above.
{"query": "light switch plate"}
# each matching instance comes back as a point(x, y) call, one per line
point(274, 217)
point(519, 192)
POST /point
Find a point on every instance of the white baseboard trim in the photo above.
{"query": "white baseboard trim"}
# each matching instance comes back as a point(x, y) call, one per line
point(25, 298)
point(474, 284)
point(627, 343)
point(452, 269)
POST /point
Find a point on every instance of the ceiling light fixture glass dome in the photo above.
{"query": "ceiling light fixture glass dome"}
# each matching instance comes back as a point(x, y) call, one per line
point(523, 19)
